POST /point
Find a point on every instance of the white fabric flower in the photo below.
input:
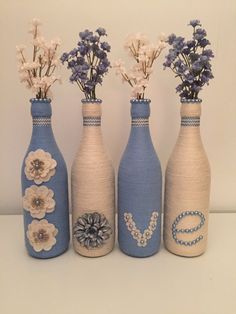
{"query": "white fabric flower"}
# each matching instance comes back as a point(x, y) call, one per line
point(38, 201)
point(41, 235)
point(39, 166)
point(142, 242)
point(147, 234)
point(136, 234)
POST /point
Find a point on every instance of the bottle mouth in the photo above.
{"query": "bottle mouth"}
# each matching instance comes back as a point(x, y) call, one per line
point(91, 101)
point(190, 101)
point(140, 101)
point(41, 100)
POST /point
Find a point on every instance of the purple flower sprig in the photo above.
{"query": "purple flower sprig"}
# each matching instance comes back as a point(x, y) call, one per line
point(190, 61)
point(88, 61)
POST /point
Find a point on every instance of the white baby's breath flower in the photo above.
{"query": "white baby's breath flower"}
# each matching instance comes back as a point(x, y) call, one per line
point(148, 70)
point(36, 22)
point(137, 90)
point(136, 40)
point(55, 42)
point(161, 45)
point(24, 77)
point(34, 27)
point(142, 57)
point(25, 67)
point(39, 41)
point(55, 62)
point(34, 65)
point(162, 37)
point(20, 48)
point(119, 67)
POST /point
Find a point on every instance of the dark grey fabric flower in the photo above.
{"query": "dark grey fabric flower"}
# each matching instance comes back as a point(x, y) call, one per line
point(92, 230)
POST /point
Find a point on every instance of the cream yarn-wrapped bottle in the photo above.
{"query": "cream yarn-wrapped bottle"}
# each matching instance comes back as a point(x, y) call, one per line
point(93, 189)
point(187, 188)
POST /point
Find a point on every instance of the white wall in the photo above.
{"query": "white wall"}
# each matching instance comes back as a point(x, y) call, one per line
point(65, 19)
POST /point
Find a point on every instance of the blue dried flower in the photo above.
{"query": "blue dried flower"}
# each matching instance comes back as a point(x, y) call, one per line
point(100, 54)
point(93, 39)
point(208, 53)
point(190, 43)
point(85, 34)
point(88, 61)
point(106, 62)
point(199, 34)
point(204, 42)
point(83, 49)
point(195, 23)
point(190, 61)
point(101, 31)
point(171, 39)
point(105, 46)
point(64, 57)
point(179, 44)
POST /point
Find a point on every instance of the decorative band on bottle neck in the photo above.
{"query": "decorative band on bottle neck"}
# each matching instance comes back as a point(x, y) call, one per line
point(42, 121)
point(140, 122)
point(190, 121)
point(91, 101)
point(91, 121)
point(190, 101)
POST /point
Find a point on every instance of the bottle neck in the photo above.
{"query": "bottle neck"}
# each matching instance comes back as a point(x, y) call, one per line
point(190, 116)
point(92, 134)
point(140, 112)
point(41, 112)
point(92, 113)
point(140, 137)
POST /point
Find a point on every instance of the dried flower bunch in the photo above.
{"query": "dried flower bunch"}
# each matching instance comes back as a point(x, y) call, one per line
point(144, 54)
point(88, 61)
point(39, 75)
point(190, 61)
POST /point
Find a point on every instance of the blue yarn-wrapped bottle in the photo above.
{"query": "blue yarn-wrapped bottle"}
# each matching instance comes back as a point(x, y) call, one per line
point(139, 188)
point(44, 188)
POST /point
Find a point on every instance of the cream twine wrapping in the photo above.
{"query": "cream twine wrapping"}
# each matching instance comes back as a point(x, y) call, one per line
point(187, 188)
point(93, 181)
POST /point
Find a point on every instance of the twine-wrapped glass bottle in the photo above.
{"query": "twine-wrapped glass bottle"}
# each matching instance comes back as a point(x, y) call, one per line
point(139, 188)
point(44, 188)
point(93, 188)
point(187, 187)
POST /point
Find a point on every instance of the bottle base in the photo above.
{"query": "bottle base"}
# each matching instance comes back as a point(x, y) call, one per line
point(37, 256)
point(93, 254)
point(137, 255)
point(181, 254)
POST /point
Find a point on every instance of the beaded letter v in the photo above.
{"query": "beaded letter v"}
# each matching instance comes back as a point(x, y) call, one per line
point(141, 238)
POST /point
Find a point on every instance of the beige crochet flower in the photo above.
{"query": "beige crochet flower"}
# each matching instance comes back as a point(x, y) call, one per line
point(38, 200)
point(39, 166)
point(41, 235)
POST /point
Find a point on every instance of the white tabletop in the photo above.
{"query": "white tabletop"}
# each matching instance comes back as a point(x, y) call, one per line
point(116, 283)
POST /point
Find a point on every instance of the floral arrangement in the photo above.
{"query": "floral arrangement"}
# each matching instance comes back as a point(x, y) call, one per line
point(144, 53)
point(39, 73)
point(190, 61)
point(88, 62)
